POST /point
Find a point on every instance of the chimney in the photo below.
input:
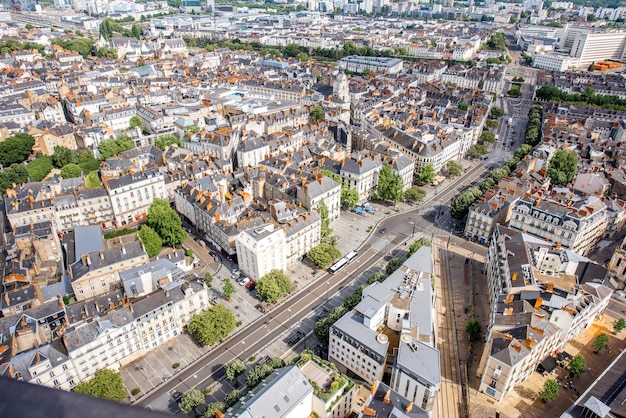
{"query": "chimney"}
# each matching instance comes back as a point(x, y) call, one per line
point(409, 407)
point(130, 306)
point(101, 255)
point(387, 396)
point(374, 386)
point(60, 299)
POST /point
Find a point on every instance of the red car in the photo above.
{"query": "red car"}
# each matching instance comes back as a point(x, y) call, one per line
point(250, 285)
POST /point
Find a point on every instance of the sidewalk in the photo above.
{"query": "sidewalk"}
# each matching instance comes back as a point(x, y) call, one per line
point(351, 230)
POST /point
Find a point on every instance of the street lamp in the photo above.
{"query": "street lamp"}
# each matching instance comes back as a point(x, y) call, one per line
point(326, 291)
point(244, 350)
point(289, 310)
point(413, 232)
point(143, 371)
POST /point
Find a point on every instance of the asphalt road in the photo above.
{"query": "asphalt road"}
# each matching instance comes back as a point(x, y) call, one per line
point(424, 220)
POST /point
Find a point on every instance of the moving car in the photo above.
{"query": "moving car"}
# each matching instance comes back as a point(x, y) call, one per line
point(236, 272)
point(383, 230)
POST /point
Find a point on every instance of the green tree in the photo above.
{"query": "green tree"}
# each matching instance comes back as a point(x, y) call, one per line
point(477, 150)
point(427, 174)
point(174, 3)
point(415, 194)
point(323, 255)
point(232, 398)
point(212, 408)
point(234, 368)
point(323, 325)
point(497, 112)
point(105, 52)
point(389, 186)
point(325, 230)
point(349, 197)
point(63, 156)
point(15, 174)
point(39, 168)
point(87, 161)
point(191, 400)
point(208, 279)
point(562, 167)
point(105, 384)
point(71, 171)
point(273, 286)
point(92, 180)
point(473, 329)
point(577, 365)
point(83, 46)
point(29, 26)
point(601, 342)
point(316, 114)
point(258, 373)
point(550, 391)
point(619, 325)
point(135, 122)
point(463, 106)
point(151, 241)
point(16, 149)
point(105, 29)
point(417, 245)
point(454, 168)
point(166, 222)
point(488, 137)
point(393, 265)
point(167, 140)
point(135, 30)
point(229, 289)
point(463, 201)
point(491, 124)
point(110, 147)
point(212, 325)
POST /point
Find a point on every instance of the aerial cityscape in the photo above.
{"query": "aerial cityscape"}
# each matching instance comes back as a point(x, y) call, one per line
point(313, 208)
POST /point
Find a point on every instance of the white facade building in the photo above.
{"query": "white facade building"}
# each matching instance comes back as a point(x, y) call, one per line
point(261, 250)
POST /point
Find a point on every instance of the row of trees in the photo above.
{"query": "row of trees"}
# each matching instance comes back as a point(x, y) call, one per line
point(460, 205)
point(294, 50)
point(84, 46)
point(9, 46)
point(587, 97)
point(109, 26)
point(194, 398)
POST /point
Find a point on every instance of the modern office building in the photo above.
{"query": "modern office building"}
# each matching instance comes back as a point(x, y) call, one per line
point(391, 331)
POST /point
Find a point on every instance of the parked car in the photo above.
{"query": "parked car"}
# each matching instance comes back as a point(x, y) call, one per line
point(235, 272)
point(202, 243)
point(213, 254)
point(383, 230)
point(251, 284)
point(244, 281)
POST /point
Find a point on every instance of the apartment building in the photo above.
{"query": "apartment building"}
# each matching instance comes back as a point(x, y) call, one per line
point(401, 305)
point(541, 296)
point(578, 224)
point(16, 113)
point(552, 62)
point(132, 194)
point(261, 250)
point(251, 152)
point(361, 173)
point(98, 272)
point(83, 207)
point(491, 209)
point(359, 64)
point(321, 188)
point(302, 233)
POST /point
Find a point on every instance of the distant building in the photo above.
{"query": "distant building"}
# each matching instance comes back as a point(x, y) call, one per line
point(359, 64)
point(384, 402)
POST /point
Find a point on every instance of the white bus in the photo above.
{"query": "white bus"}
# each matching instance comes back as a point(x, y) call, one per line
point(343, 261)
